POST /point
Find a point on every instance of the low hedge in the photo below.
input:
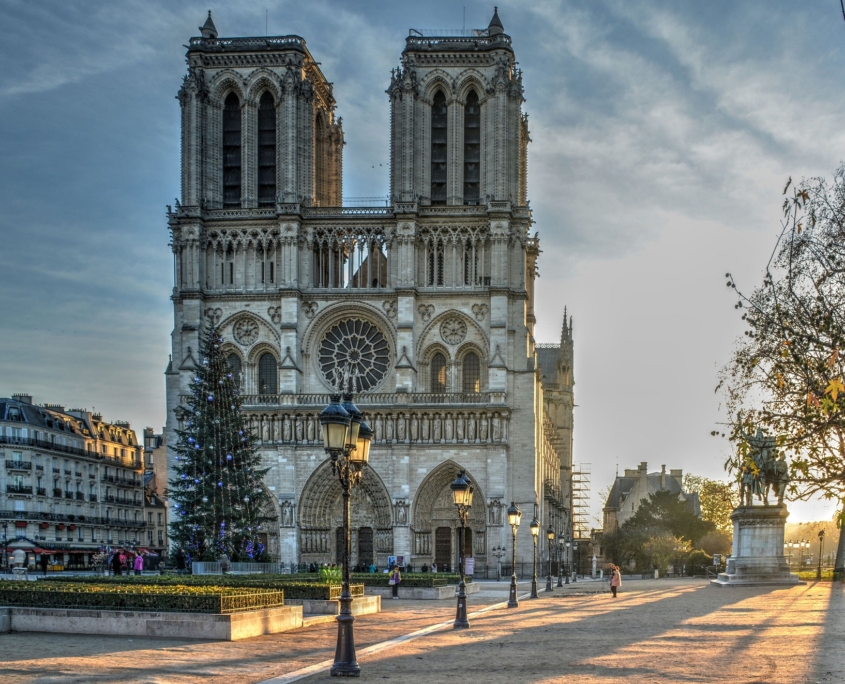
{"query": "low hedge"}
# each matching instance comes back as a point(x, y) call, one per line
point(116, 596)
point(410, 579)
point(292, 589)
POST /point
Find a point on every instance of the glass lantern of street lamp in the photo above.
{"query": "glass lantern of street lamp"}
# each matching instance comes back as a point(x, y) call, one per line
point(335, 423)
point(462, 490)
point(535, 528)
point(361, 452)
point(514, 515)
point(550, 533)
point(355, 419)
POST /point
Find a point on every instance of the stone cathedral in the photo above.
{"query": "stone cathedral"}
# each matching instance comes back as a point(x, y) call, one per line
point(425, 307)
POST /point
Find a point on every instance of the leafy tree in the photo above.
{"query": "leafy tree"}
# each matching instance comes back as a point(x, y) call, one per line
point(718, 500)
point(786, 374)
point(217, 493)
point(662, 548)
point(667, 512)
point(715, 542)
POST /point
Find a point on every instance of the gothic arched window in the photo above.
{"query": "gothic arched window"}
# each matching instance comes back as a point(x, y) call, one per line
point(266, 150)
point(439, 124)
point(267, 379)
point(232, 151)
point(234, 362)
point(472, 149)
point(438, 373)
point(471, 373)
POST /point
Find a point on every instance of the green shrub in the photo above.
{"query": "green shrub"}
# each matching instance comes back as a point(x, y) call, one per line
point(117, 596)
point(292, 589)
point(410, 579)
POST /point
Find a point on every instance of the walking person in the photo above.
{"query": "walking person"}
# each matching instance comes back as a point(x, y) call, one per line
point(139, 564)
point(116, 565)
point(44, 562)
point(615, 579)
point(395, 578)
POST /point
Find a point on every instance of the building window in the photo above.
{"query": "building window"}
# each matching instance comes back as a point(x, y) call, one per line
point(160, 538)
point(471, 373)
point(267, 382)
point(234, 362)
point(232, 151)
point(438, 373)
point(20, 505)
point(472, 148)
point(159, 518)
point(439, 122)
point(149, 518)
point(266, 150)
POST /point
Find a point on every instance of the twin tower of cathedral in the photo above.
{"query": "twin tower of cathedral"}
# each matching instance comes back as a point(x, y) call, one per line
point(424, 308)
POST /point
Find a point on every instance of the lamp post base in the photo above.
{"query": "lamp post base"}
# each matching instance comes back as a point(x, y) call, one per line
point(548, 583)
point(345, 662)
point(461, 621)
point(513, 601)
point(534, 593)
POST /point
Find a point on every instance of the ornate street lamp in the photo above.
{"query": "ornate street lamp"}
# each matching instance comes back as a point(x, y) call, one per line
point(514, 518)
point(821, 546)
point(346, 439)
point(550, 535)
point(560, 543)
point(535, 532)
point(462, 491)
point(577, 553)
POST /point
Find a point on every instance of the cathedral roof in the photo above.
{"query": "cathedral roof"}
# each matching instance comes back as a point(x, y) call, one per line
point(547, 355)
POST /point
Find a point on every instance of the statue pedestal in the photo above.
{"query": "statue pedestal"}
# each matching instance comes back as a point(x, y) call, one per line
point(757, 555)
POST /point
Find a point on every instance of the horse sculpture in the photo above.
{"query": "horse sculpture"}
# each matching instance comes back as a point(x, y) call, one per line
point(763, 469)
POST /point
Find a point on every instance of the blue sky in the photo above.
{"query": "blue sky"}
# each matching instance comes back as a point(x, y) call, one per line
point(663, 133)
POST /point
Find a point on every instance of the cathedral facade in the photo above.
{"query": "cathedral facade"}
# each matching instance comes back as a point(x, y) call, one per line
point(424, 307)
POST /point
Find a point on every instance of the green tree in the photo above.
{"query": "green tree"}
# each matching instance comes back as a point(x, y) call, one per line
point(662, 548)
point(665, 511)
point(217, 493)
point(718, 499)
point(787, 373)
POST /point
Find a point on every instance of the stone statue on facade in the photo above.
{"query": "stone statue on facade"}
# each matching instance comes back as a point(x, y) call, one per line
point(286, 429)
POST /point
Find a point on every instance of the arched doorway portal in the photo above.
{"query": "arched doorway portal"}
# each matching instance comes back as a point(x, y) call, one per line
point(321, 519)
point(436, 527)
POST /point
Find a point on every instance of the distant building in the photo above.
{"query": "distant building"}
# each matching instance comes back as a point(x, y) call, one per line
point(70, 483)
point(155, 491)
point(634, 486)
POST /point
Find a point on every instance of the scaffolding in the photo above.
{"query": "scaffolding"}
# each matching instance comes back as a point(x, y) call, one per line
point(581, 500)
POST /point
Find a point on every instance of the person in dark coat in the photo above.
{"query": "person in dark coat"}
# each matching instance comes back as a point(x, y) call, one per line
point(116, 565)
point(44, 563)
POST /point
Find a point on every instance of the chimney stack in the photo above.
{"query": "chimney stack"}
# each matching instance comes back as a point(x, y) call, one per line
point(23, 398)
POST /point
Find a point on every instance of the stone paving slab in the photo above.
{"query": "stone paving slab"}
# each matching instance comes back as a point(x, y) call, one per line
point(656, 631)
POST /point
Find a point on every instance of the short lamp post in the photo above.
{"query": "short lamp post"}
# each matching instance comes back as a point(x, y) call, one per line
point(577, 560)
point(535, 532)
point(821, 546)
point(499, 552)
point(514, 518)
point(560, 543)
point(346, 438)
point(568, 571)
point(462, 491)
point(550, 535)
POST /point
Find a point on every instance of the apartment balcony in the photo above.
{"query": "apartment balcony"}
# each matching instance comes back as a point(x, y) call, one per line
point(80, 496)
point(75, 474)
point(68, 495)
point(57, 493)
point(67, 472)
point(41, 491)
point(92, 497)
point(40, 467)
point(56, 471)
point(44, 444)
point(19, 465)
point(18, 489)
point(91, 476)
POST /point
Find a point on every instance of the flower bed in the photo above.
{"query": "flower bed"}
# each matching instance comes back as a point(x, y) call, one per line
point(292, 589)
point(136, 596)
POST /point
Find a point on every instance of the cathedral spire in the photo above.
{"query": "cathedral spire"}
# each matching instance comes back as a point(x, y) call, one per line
point(495, 28)
point(208, 29)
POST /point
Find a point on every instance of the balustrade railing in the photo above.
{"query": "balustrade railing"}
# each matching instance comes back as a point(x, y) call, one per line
point(18, 465)
point(378, 399)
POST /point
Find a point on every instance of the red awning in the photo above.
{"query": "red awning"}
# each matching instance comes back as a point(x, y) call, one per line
point(20, 523)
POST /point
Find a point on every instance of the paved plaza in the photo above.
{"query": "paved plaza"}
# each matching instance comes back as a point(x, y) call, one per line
point(656, 631)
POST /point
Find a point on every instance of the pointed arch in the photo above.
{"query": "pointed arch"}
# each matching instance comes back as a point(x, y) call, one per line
point(232, 150)
point(472, 150)
point(439, 147)
point(266, 149)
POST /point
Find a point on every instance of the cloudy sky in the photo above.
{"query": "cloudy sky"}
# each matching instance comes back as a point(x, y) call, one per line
point(663, 133)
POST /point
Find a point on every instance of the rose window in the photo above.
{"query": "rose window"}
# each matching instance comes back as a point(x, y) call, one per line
point(354, 356)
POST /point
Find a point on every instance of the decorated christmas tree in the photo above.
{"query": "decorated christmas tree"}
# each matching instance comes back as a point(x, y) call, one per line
point(218, 499)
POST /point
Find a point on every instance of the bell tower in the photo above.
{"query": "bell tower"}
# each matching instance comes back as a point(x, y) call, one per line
point(458, 134)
